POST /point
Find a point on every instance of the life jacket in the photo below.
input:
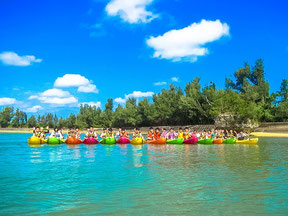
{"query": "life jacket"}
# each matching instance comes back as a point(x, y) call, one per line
point(150, 135)
point(157, 135)
point(137, 134)
point(109, 134)
point(78, 135)
point(90, 134)
point(72, 134)
point(37, 134)
point(171, 135)
point(123, 134)
point(186, 135)
point(180, 135)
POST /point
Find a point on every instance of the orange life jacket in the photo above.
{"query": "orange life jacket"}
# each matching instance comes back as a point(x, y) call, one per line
point(123, 134)
point(150, 135)
point(157, 135)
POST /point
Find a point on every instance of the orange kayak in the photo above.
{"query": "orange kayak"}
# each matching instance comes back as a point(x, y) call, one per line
point(73, 140)
point(159, 141)
point(217, 141)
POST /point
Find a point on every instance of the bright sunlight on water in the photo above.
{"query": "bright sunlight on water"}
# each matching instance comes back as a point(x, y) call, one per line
point(143, 180)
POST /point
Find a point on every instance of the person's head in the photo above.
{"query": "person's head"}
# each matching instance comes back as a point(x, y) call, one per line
point(110, 130)
point(56, 129)
point(180, 129)
point(195, 131)
point(120, 129)
point(137, 130)
point(41, 129)
point(37, 129)
point(164, 129)
point(151, 129)
point(90, 129)
point(77, 129)
point(104, 129)
point(186, 129)
point(157, 130)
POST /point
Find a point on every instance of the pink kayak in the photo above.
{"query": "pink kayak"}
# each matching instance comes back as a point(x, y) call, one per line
point(90, 140)
point(192, 140)
point(123, 140)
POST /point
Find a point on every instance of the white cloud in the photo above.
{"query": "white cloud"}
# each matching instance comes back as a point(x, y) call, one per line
point(76, 80)
point(34, 109)
point(160, 83)
point(7, 101)
point(135, 94)
point(91, 88)
point(131, 11)
point(97, 104)
point(55, 92)
point(58, 101)
point(71, 80)
point(175, 79)
point(12, 58)
point(120, 100)
point(187, 44)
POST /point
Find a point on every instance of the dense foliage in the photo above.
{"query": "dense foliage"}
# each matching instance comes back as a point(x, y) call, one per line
point(246, 97)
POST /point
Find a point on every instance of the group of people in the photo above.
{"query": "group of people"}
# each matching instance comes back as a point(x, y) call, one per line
point(153, 134)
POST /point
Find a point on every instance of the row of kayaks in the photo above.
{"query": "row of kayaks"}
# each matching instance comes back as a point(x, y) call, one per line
point(139, 141)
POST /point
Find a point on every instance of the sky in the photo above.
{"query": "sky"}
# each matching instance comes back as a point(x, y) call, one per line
point(57, 55)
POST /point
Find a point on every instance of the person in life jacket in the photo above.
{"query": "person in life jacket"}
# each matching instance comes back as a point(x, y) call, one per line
point(118, 134)
point(123, 133)
point(110, 133)
point(91, 133)
point(164, 133)
point(56, 133)
point(180, 133)
point(36, 132)
point(157, 134)
point(104, 133)
point(150, 135)
point(171, 134)
point(137, 134)
point(78, 133)
point(186, 134)
point(71, 133)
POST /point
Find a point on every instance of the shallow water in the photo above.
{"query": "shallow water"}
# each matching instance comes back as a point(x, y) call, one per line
point(143, 180)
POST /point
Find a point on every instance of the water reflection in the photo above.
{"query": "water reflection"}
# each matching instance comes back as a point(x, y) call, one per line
point(137, 155)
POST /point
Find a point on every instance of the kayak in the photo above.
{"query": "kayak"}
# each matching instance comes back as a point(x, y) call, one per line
point(192, 140)
point(205, 141)
point(54, 140)
point(90, 140)
point(123, 140)
point(36, 140)
point(217, 141)
point(159, 141)
point(137, 141)
point(229, 141)
point(249, 141)
point(108, 141)
point(73, 140)
point(175, 141)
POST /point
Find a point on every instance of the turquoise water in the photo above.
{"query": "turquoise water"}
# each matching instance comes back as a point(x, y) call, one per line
point(143, 180)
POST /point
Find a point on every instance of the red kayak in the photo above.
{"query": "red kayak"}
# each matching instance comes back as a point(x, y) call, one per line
point(192, 140)
point(123, 140)
point(90, 140)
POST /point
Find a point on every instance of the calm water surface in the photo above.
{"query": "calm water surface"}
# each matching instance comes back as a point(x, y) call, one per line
point(143, 180)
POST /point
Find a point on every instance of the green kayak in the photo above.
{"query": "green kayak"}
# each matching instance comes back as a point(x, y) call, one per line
point(108, 140)
point(206, 141)
point(54, 140)
point(175, 141)
point(229, 141)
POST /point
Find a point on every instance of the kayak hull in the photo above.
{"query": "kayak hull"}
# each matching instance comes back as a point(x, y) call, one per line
point(137, 141)
point(54, 140)
point(192, 140)
point(73, 140)
point(123, 140)
point(250, 141)
point(217, 141)
point(229, 141)
point(205, 141)
point(175, 141)
point(108, 141)
point(90, 140)
point(159, 141)
point(36, 140)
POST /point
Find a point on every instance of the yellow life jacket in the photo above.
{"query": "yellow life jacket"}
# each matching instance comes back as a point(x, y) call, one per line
point(180, 135)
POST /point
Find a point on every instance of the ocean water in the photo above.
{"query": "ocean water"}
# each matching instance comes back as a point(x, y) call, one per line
point(143, 180)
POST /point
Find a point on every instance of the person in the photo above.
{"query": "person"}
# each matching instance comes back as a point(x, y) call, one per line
point(56, 133)
point(171, 134)
point(195, 134)
point(241, 136)
point(71, 133)
point(123, 133)
point(164, 133)
point(36, 132)
point(110, 133)
point(119, 132)
point(180, 133)
point(90, 133)
point(186, 134)
point(42, 133)
point(78, 133)
point(104, 133)
point(137, 133)
point(157, 134)
point(150, 135)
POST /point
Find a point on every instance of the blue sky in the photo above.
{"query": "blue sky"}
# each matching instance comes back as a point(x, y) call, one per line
point(122, 48)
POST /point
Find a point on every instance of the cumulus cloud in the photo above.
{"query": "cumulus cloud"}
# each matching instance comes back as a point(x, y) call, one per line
point(188, 44)
point(34, 109)
point(12, 58)
point(175, 79)
point(55, 92)
point(76, 80)
point(160, 83)
point(7, 101)
point(58, 101)
point(97, 104)
point(135, 94)
point(131, 11)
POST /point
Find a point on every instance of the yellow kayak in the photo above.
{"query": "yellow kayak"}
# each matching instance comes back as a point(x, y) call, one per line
point(249, 141)
point(137, 141)
point(36, 140)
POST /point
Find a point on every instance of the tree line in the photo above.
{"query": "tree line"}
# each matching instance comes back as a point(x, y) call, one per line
point(246, 97)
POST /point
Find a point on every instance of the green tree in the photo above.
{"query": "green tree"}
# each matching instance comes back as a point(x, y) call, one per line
point(31, 121)
point(5, 116)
